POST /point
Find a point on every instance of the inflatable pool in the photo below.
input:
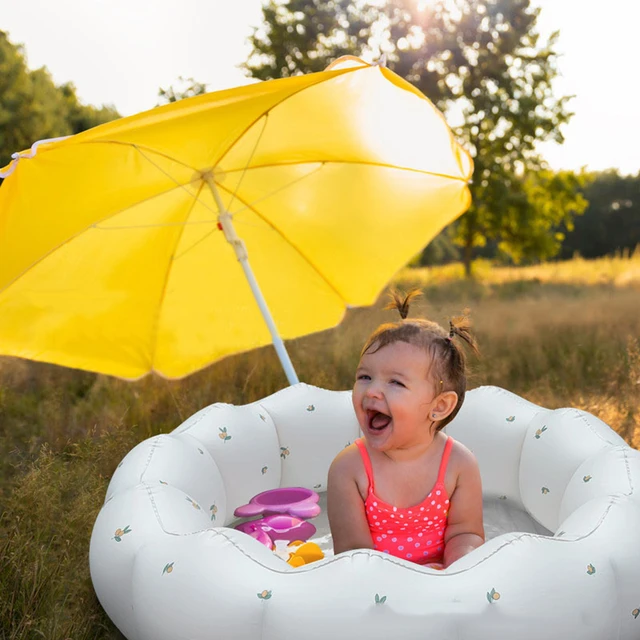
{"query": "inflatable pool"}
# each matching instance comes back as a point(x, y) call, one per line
point(562, 518)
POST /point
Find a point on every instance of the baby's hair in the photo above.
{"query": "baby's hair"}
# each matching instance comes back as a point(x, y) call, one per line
point(448, 368)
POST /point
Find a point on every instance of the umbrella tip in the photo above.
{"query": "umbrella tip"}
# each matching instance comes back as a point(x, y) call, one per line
point(381, 61)
point(346, 62)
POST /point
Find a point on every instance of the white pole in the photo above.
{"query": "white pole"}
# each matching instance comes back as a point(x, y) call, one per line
point(224, 217)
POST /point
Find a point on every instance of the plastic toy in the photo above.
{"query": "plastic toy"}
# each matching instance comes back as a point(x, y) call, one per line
point(294, 501)
point(286, 511)
point(304, 553)
point(277, 527)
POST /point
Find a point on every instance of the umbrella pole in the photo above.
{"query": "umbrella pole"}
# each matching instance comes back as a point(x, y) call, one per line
point(224, 218)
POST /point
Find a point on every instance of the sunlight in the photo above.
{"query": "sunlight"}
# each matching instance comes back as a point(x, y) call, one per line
point(424, 4)
point(449, 6)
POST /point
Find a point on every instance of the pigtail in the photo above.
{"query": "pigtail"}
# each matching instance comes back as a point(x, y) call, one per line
point(401, 302)
point(460, 326)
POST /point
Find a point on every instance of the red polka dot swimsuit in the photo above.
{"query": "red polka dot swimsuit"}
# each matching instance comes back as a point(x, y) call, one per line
point(415, 533)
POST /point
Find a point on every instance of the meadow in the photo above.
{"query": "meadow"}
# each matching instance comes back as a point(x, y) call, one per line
point(559, 334)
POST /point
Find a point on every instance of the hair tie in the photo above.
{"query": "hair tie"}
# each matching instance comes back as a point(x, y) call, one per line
point(451, 330)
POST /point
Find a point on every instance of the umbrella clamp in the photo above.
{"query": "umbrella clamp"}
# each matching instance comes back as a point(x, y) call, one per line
point(224, 222)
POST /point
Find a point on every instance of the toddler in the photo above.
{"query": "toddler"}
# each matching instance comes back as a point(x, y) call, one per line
point(406, 488)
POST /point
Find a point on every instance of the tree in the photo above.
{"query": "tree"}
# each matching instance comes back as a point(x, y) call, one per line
point(303, 36)
point(21, 121)
point(482, 62)
point(33, 108)
point(187, 88)
point(81, 117)
point(441, 250)
point(611, 222)
point(550, 199)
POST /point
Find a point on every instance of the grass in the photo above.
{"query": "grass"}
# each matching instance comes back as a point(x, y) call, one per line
point(619, 270)
point(566, 334)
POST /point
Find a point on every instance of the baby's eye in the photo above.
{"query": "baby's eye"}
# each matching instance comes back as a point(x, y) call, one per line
point(363, 376)
point(397, 382)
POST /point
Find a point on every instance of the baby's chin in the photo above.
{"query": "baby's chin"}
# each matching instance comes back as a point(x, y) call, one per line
point(380, 440)
point(387, 440)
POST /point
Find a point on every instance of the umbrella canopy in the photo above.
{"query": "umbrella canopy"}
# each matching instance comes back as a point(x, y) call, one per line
point(114, 243)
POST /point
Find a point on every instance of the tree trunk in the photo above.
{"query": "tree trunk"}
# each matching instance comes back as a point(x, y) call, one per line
point(468, 256)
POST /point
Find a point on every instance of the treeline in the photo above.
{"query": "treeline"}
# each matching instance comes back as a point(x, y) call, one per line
point(611, 221)
point(33, 107)
point(609, 225)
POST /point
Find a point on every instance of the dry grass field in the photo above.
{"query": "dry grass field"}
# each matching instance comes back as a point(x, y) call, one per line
point(562, 334)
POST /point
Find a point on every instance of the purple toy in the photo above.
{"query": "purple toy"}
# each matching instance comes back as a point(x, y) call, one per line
point(285, 510)
point(255, 531)
point(294, 501)
point(277, 527)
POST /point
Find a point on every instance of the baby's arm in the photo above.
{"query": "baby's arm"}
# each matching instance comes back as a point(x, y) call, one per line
point(345, 507)
point(465, 528)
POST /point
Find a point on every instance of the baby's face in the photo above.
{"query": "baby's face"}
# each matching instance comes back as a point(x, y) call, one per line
point(393, 396)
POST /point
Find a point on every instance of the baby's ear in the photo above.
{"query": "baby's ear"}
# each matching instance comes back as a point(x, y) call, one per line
point(445, 403)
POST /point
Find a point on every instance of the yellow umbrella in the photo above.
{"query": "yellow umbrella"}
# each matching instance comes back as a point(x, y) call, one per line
point(114, 243)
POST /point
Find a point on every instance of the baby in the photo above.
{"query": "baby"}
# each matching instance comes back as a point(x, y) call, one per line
point(406, 488)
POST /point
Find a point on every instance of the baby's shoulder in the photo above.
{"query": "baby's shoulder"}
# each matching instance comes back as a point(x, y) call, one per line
point(461, 458)
point(346, 468)
point(348, 460)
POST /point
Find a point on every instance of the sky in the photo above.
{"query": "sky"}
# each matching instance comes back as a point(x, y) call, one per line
point(120, 52)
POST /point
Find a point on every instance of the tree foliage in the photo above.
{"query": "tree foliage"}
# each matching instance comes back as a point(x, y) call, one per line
point(33, 108)
point(532, 232)
point(187, 88)
point(611, 222)
point(303, 36)
point(484, 64)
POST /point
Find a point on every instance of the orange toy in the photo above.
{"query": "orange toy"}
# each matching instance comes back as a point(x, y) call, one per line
point(304, 553)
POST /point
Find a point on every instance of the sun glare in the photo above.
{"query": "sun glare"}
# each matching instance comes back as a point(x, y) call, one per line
point(449, 5)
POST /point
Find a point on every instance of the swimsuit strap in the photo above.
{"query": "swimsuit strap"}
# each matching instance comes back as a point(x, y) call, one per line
point(445, 459)
point(366, 460)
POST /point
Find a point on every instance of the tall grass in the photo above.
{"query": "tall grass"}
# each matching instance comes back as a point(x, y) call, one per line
point(555, 341)
point(622, 269)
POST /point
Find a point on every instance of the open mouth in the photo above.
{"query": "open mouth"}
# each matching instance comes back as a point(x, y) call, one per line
point(377, 421)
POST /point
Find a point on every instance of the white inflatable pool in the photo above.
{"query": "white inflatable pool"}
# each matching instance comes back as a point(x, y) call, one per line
point(562, 517)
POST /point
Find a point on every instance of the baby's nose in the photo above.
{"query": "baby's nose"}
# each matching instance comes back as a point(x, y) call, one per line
point(373, 390)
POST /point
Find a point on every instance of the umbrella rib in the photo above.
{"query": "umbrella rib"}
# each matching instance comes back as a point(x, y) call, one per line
point(244, 171)
point(334, 74)
point(339, 73)
point(142, 148)
point(244, 208)
point(291, 244)
point(96, 225)
point(354, 162)
point(156, 322)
